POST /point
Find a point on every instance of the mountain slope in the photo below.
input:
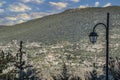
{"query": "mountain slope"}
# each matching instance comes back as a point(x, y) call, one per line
point(70, 25)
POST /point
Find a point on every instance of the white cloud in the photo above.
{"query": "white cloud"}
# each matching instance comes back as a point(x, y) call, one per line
point(19, 7)
point(20, 18)
point(1, 10)
point(11, 18)
point(75, 0)
point(33, 15)
point(39, 1)
point(26, 1)
point(83, 6)
point(35, 1)
point(108, 4)
point(1, 3)
point(58, 5)
point(97, 4)
point(23, 16)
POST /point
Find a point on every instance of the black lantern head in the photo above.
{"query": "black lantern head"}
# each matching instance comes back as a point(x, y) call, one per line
point(93, 37)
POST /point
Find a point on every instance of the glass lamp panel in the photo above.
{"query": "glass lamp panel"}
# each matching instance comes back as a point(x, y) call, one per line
point(93, 37)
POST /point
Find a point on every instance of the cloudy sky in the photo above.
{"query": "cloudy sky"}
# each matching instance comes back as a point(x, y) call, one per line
point(18, 11)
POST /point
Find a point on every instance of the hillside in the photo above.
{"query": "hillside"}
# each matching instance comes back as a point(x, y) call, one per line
point(70, 25)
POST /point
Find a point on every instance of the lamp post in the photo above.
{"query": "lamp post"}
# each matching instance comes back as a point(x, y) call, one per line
point(93, 38)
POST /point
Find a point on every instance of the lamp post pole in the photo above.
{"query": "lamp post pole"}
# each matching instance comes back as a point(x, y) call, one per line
point(107, 46)
point(93, 37)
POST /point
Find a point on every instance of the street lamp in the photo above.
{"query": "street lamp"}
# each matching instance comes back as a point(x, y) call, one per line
point(93, 38)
